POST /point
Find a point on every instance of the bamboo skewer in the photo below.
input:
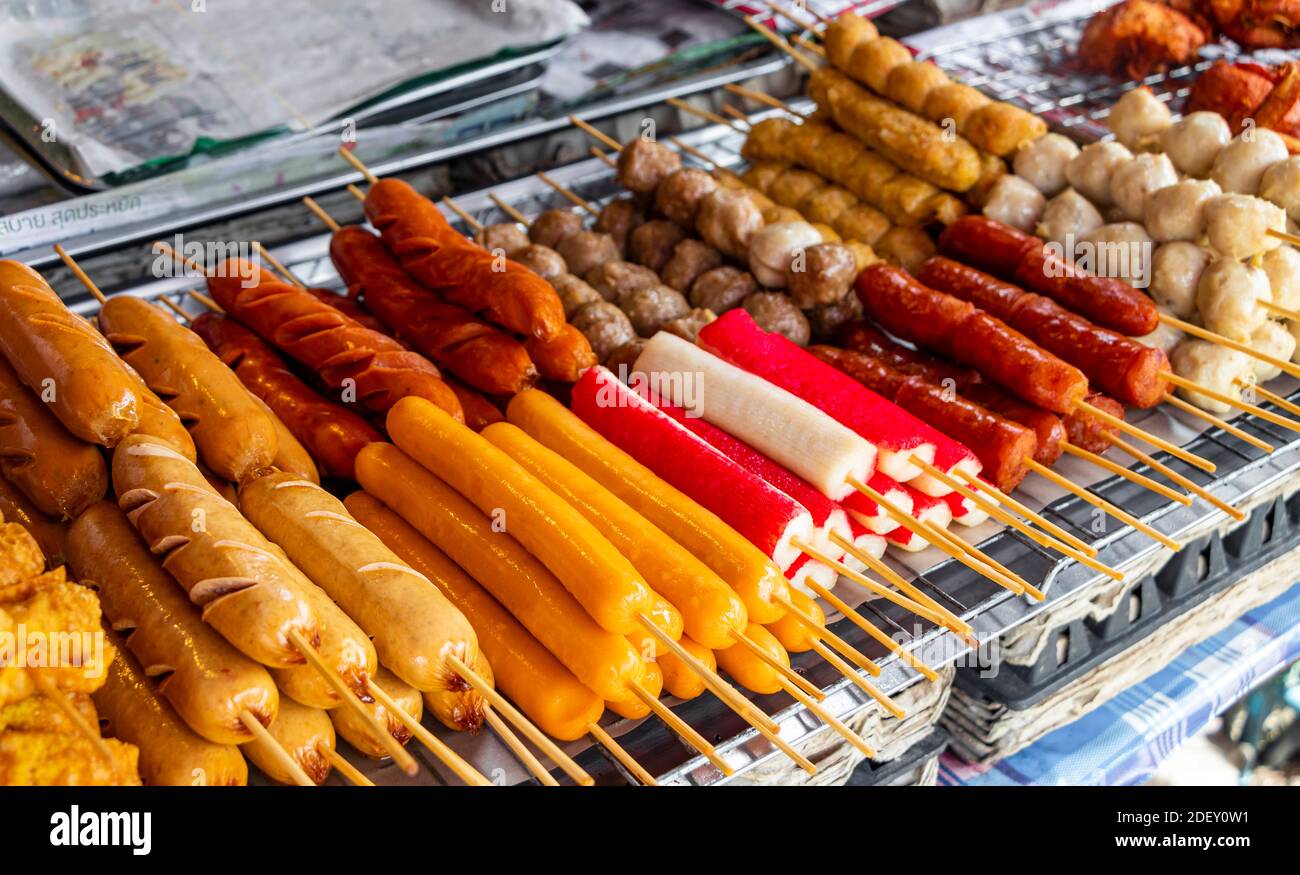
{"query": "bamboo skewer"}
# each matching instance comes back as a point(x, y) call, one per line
point(1173, 475)
point(519, 749)
point(600, 135)
point(813, 12)
point(1270, 396)
point(765, 99)
point(571, 196)
point(347, 156)
point(465, 217)
point(275, 263)
point(520, 722)
point(1188, 407)
point(288, 763)
point(609, 162)
point(858, 680)
point(622, 756)
point(1274, 418)
point(1276, 310)
point(951, 620)
point(1005, 517)
point(1130, 429)
point(356, 193)
point(1203, 334)
point(917, 528)
point(834, 723)
point(961, 544)
point(975, 482)
point(781, 44)
point(432, 743)
point(176, 308)
point(401, 756)
point(345, 768)
point(1131, 476)
point(47, 688)
point(510, 211)
point(705, 114)
point(326, 219)
point(870, 628)
point(683, 729)
point(785, 671)
point(739, 116)
point(80, 274)
point(714, 681)
point(830, 637)
point(1104, 505)
point(866, 583)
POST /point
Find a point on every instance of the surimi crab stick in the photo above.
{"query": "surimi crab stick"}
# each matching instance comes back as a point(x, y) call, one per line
point(770, 519)
point(827, 515)
point(754, 577)
point(870, 514)
point(897, 435)
point(865, 541)
point(781, 425)
point(927, 509)
point(806, 569)
point(964, 511)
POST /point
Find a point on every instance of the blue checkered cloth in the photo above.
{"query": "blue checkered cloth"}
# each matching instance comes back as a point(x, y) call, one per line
point(1124, 741)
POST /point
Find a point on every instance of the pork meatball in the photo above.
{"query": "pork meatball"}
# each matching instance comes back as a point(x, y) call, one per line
point(1177, 212)
point(825, 321)
point(1237, 225)
point(1068, 215)
point(774, 311)
point(772, 248)
point(678, 198)
point(1194, 141)
point(722, 288)
point(643, 164)
point(1015, 202)
point(1042, 162)
point(648, 309)
point(587, 250)
point(1283, 268)
point(1176, 269)
point(1228, 296)
point(1138, 116)
point(1135, 180)
point(605, 326)
point(552, 226)
point(1091, 170)
point(622, 361)
point(727, 221)
point(1213, 366)
point(507, 237)
point(542, 260)
point(691, 258)
point(1271, 338)
point(1240, 167)
point(574, 293)
point(822, 275)
point(688, 327)
point(1122, 250)
point(617, 219)
point(651, 245)
point(1281, 185)
point(615, 280)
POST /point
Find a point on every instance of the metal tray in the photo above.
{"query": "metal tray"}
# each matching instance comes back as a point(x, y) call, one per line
point(1244, 474)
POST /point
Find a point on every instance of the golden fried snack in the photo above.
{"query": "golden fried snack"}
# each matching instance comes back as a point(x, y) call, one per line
point(874, 60)
point(861, 222)
point(822, 205)
point(793, 186)
point(911, 142)
point(907, 247)
point(953, 101)
point(1001, 128)
point(844, 34)
point(910, 84)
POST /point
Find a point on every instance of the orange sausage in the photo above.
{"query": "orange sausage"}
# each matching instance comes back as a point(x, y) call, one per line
point(460, 707)
point(633, 708)
point(528, 673)
point(665, 617)
point(290, 455)
point(679, 679)
point(602, 660)
point(747, 669)
point(599, 577)
point(160, 421)
point(305, 734)
point(711, 611)
point(355, 731)
point(794, 636)
point(51, 536)
point(753, 576)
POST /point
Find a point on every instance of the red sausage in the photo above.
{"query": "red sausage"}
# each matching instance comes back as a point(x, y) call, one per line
point(862, 337)
point(332, 433)
point(1047, 426)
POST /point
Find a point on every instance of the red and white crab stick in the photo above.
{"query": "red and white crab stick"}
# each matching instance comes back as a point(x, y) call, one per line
point(763, 514)
point(783, 426)
point(896, 434)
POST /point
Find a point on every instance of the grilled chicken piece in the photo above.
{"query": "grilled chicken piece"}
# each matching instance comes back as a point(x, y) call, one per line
point(1139, 37)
